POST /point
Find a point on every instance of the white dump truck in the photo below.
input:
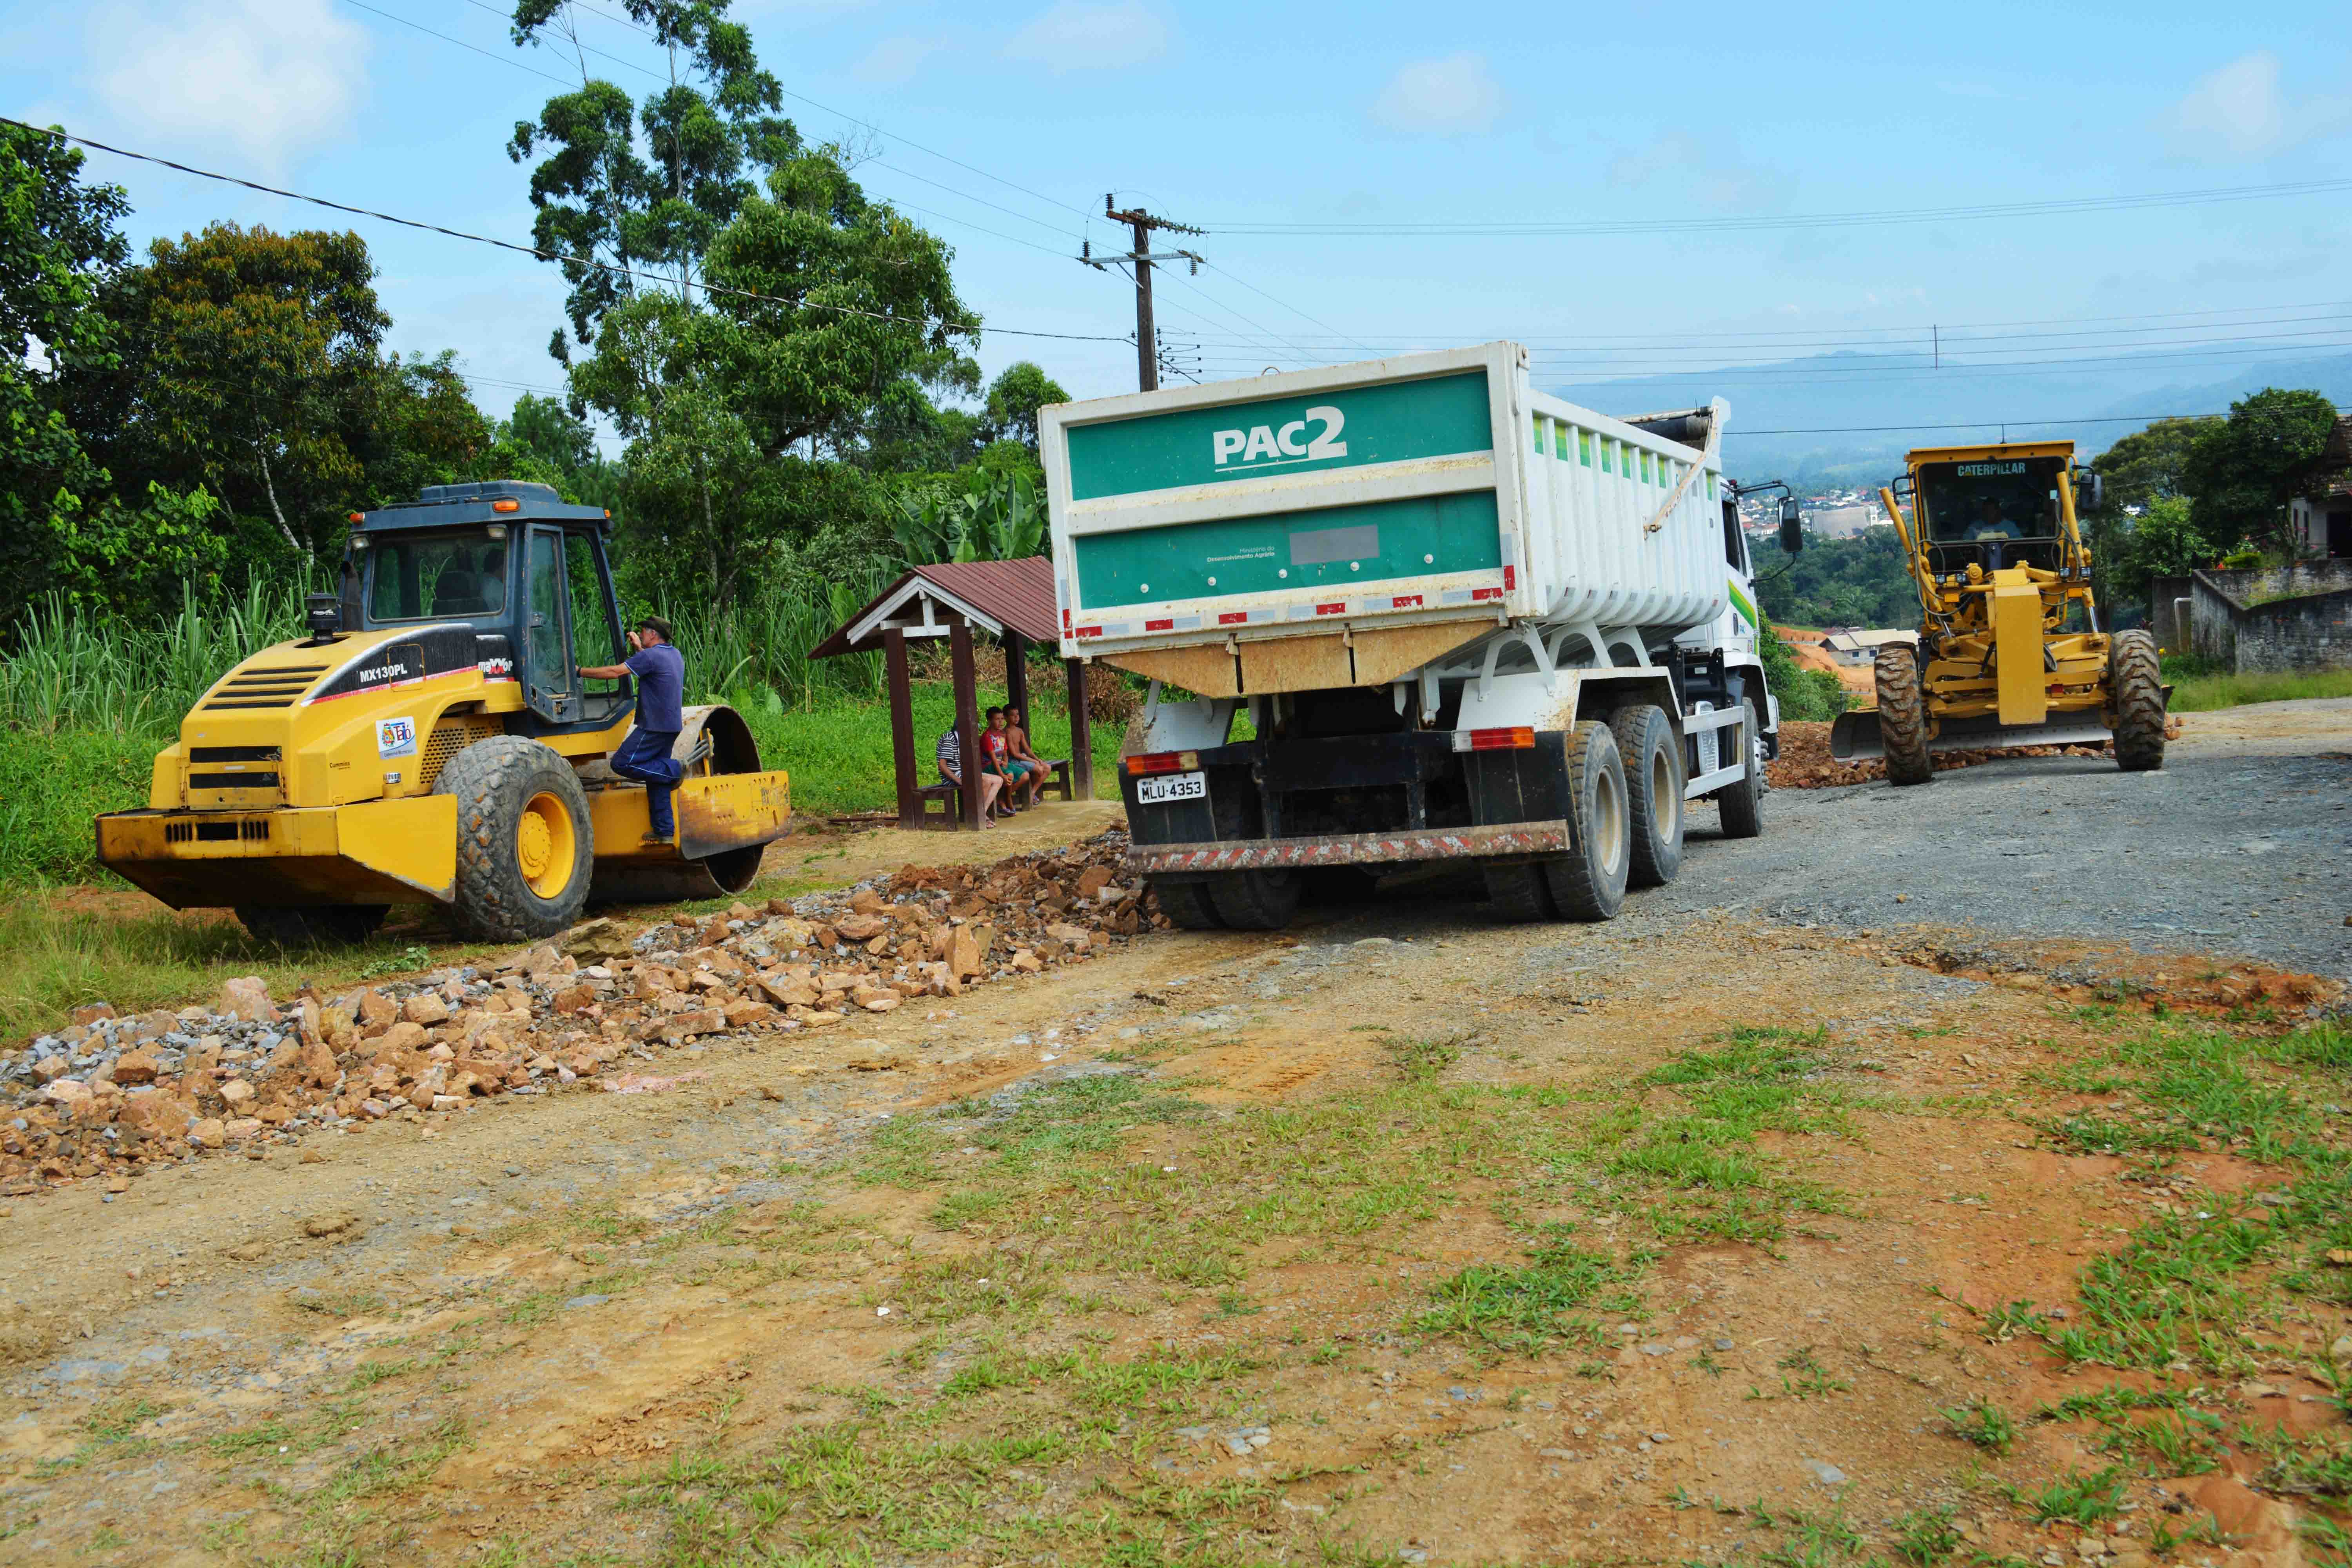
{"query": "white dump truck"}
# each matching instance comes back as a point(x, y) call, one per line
point(1462, 621)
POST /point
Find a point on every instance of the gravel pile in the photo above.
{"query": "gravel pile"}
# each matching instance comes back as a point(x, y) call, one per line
point(109, 1095)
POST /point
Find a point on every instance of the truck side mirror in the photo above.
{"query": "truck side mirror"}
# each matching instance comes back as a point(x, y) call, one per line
point(2090, 490)
point(1792, 525)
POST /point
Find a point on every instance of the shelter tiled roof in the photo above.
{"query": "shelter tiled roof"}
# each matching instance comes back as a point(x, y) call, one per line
point(995, 595)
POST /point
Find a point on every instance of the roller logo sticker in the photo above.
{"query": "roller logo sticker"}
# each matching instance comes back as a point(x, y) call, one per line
point(395, 737)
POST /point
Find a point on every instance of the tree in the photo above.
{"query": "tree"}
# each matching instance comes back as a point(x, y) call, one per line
point(831, 310)
point(2149, 464)
point(610, 210)
point(2243, 470)
point(61, 526)
point(1015, 397)
point(251, 359)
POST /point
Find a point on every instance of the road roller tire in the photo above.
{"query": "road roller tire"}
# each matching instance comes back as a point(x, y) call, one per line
point(1902, 716)
point(1652, 758)
point(525, 848)
point(1587, 883)
point(324, 925)
point(2136, 677)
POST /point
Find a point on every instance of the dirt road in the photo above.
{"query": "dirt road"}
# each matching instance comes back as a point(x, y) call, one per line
point(1722, 1232)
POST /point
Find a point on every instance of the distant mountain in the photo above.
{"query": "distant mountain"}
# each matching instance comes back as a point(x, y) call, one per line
point(1806, 420)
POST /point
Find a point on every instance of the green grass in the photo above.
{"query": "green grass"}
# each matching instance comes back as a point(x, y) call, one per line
point(2207, 693)
point(1983, 1422)
point(1525, 1310)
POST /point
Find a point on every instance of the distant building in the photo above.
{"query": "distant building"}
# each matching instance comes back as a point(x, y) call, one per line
point(2320, 524)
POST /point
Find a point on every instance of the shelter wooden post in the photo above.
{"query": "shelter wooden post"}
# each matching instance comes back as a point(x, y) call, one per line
point(1016, 674)
point(1082, 730)
point(902, 725)
point(967, 712)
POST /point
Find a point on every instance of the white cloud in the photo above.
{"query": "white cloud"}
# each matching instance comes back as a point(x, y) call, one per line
point(895, 61)
point(1448, 97)
point(1711, 173)
point(1091, 35)
point(265, 77)
point(2240, 111)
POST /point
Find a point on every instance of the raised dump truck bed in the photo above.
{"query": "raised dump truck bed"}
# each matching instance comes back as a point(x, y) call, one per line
point(1445, 602)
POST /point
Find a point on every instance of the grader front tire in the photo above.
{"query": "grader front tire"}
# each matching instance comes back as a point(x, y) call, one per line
point(1903, 716)
point(2137, 680)
point(525, 848)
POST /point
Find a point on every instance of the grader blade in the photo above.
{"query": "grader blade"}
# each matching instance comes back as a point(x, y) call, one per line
point(1854, 738)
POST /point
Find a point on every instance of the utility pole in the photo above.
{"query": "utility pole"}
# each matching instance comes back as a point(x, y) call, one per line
point(1142, 223)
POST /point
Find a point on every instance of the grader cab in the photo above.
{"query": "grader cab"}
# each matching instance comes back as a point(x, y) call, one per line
point(2010, 650)
point(432, 742)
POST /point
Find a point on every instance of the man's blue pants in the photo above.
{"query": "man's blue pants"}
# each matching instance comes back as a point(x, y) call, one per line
point(644, 757)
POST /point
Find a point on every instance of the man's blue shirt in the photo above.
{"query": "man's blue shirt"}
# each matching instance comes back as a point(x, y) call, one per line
point(660, 670)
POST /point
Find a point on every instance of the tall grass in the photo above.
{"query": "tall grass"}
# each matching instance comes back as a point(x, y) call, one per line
point(2204, 693)
point(72, 668)
point(756, 654)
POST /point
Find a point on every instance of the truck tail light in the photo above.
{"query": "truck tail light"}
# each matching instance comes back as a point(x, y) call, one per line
point(1163, 762)
point(1511, 577)
point(1066, 623)
point(1519, 739)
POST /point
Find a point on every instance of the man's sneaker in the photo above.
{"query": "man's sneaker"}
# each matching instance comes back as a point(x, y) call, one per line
point(658, 838)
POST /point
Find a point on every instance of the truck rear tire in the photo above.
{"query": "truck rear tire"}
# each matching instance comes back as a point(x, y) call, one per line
point(1587, 883)
point(323, 925)
point(1187, 905)
point(1902, 716)
point(525, 847)
point(1653, 759)
point(1741, 805)
point(1520, 892)
point(2135, 675)
point(1255, 901)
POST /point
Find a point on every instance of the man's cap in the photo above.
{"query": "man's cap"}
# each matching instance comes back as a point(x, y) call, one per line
point(657, 625)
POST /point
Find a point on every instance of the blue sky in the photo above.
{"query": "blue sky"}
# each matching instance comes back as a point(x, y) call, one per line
point(1234, 116)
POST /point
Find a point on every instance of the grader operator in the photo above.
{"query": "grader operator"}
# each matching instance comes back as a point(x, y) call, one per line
point(435, 740)
point(2010, 650)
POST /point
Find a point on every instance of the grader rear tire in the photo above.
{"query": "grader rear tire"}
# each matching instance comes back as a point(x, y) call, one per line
point(2136, 677)
point(1903, 716)
point(1587, 883)
point(526, 849)
point(1653, 759)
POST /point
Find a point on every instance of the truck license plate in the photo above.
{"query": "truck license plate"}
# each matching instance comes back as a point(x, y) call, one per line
point(1172, 786)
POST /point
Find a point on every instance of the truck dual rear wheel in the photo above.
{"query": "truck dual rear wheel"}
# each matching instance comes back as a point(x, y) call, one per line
point(1652, 758)
point(1902, 716)
point(1254, 901)
point(1587, 883)
point(1186, 904)
point(2136, 677)
point(1741, 805)
point(525, 848)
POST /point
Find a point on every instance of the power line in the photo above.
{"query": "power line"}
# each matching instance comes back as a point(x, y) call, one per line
point(507, 60)
point(534, 252)
point(1973, 424)
point(1477, 229)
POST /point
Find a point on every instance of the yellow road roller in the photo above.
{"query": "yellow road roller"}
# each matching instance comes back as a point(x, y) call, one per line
point(431, 743)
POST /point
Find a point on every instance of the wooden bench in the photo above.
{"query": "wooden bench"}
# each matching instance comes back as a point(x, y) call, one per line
point(950, 796)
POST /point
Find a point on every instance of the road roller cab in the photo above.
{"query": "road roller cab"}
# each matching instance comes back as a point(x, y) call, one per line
point(431, 741)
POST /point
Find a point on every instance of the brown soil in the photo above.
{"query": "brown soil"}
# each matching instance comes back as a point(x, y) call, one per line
point(1805, 762)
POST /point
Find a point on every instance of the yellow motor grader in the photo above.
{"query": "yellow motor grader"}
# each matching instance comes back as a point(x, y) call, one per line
point(431, 741)
point(2010, 652)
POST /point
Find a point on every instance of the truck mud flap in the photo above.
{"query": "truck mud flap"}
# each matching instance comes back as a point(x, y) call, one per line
point(1855, 738)
point(1494, 840)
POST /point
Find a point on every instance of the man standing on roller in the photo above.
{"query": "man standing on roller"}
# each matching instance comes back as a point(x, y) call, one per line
point(644, 756)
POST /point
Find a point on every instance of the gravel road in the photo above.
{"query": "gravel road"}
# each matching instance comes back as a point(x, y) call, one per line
point(2238, 846)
